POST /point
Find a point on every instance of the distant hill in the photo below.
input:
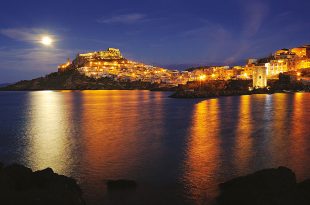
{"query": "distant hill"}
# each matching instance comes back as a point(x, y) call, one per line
point(4, 84)
point(181, 66)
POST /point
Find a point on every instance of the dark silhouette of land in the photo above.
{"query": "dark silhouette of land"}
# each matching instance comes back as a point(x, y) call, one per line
point(266, 187)
point(217, 88)
point(19, 185)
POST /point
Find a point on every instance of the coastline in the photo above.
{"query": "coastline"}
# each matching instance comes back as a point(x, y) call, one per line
point(206, 95)
point(21, 185)
point(176, 95)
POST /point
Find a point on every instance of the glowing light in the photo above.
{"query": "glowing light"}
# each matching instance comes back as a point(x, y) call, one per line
point(202, 77)
point(46, 40)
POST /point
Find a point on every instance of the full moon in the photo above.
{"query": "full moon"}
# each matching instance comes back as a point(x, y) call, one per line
point(46, 40)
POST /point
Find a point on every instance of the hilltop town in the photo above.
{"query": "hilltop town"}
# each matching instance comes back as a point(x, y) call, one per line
point(110, 70)
point(111, 64)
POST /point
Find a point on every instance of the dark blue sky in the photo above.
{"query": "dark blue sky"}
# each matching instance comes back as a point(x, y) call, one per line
point(161, 32)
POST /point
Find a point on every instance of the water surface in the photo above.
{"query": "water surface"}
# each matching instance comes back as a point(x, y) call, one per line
point(177, 150)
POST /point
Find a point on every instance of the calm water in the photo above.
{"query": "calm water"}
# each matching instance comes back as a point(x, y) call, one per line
point(176, 150)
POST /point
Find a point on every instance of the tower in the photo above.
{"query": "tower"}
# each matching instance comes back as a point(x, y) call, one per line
point(259, 77)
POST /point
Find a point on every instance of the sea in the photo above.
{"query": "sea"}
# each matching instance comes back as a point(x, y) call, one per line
point(177, 150)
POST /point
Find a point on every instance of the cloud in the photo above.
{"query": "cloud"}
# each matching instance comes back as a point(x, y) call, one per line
point(31, 35)
point(213, 39)
point(207, 30)
point(32, 59)
point(223, 44)
point(124, 19)
point(255, 13)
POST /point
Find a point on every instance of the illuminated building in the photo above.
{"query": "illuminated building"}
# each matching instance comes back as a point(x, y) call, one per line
point(301, 51)
point(281, 53)
point(303, 60)
point(63, 67)
point(259, 77)
point(109, 54)
point(278, 66)
point(303, 64)
point(252, 61)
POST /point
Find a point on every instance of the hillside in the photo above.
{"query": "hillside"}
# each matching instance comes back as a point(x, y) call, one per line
point(101, 70)
point(73, 80)
point(4, 84)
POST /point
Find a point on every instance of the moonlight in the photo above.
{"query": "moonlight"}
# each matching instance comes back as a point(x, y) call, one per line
point(46, 40)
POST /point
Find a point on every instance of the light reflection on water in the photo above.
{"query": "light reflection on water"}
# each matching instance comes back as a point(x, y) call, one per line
point(47, 137)
point(203, 151)
point(177, 150)
point(244, 138)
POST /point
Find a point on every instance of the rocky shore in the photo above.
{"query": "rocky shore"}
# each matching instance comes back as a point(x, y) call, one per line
point(206, 94)
point(215, 89)
point(265, 187)
point(19, 185)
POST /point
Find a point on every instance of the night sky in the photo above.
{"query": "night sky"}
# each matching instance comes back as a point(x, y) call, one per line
point(161, 32)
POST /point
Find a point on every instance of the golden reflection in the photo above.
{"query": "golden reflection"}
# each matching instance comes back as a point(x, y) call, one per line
point(47, 129)
point(278, 132)
point(101, 125)
point(202, 157)
point(243, 134)
point(298, 137)
point(113, 123)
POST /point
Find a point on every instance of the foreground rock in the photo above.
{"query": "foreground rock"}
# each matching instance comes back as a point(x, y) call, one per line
point(266, 187)
point(20, 185)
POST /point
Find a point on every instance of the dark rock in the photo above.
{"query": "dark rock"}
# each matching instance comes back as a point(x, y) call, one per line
point(304, 191)
point(44, 177)
point(19, 185)
point(121, 184)
point(266, 187)
point(18, 177)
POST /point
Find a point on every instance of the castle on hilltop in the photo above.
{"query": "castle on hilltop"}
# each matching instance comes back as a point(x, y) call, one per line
point(109, 54)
